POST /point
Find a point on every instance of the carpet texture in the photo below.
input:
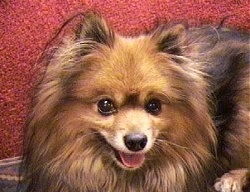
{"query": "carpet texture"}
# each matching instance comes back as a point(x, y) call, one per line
point(27, 25)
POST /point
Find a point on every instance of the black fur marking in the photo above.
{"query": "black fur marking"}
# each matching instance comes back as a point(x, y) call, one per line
point(95, 29)
point(170, 45)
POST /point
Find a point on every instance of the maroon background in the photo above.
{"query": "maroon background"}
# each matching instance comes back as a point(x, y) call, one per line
point(27, 25)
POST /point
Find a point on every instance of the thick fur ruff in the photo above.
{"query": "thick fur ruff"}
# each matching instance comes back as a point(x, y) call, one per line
point(197, 80)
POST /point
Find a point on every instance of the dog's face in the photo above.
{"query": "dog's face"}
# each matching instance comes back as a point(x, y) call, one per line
point(111, 101)
point(126, 98)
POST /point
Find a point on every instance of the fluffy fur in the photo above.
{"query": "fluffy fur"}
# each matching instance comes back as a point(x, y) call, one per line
point(200, 76)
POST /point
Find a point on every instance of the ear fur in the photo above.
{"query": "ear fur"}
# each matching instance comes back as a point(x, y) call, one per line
point(95, 28)
point(170, 40)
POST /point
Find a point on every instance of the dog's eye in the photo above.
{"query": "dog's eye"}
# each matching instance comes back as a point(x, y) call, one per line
point(106, 107)
point(153, 106)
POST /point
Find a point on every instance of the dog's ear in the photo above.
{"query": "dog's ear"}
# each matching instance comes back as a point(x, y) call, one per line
point(95, 28)
point(170, 39)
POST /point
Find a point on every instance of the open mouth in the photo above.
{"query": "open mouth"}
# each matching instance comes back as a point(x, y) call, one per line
point(125, 160)
point(130, 160)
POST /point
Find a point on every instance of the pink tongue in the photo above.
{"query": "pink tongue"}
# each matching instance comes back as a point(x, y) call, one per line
point(132, 160)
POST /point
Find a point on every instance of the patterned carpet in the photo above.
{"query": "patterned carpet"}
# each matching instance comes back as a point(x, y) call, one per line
point(10, 175)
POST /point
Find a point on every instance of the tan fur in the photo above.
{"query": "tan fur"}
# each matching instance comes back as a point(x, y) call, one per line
point(69, 142)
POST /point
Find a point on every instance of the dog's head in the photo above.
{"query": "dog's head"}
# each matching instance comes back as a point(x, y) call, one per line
point(123, 102)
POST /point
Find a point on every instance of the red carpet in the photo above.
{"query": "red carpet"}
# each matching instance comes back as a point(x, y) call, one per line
point(26, 26)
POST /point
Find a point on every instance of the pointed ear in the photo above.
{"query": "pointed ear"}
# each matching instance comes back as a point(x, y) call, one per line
point(170, 40)
point(95, 28)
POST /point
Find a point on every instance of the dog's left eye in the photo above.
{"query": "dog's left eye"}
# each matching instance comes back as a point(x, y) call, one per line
point(106, 107)
point(153, 106)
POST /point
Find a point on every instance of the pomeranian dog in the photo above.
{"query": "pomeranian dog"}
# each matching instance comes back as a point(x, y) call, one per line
point(167, 111)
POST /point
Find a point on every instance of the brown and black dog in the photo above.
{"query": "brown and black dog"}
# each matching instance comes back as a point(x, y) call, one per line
point(166, 111)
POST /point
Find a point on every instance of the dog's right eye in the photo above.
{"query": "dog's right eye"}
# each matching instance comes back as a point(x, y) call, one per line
point(106, 107)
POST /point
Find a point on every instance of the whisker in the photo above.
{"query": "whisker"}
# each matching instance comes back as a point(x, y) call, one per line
point(161, 132)
point(173, 144)
point(174, 154)
point(82, 134)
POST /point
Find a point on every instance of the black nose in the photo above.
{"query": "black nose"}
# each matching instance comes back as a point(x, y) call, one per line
point(135, 142)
